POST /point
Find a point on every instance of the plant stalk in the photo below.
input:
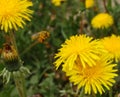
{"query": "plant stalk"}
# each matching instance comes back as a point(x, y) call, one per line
point(17, 75)
point(29, 47)
point(82, 93)
point(20, 85)
point(105, 7)
point(110, 93)
point(93, 94)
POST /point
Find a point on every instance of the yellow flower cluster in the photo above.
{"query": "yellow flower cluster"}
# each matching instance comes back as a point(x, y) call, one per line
point(88, 62)
point(13, 13)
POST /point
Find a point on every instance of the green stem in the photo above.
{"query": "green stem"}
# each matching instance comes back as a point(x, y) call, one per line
point(20, 83)
point(110, 3)
point(63, 34)
point(18, 76)
point(110, 93)
point(82, 93)
point(93, 94)
point(114, 29)
point(76, 93)
point(105, 7)
point(13, 41)
point(28, 48)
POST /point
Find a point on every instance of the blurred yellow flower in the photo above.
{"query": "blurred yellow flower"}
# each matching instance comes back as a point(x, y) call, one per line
point(102, 20)
point(13, 13)
point(112, 45)
point(57, 2)
point(89, 3)
point(79, 48)
point(95, 78)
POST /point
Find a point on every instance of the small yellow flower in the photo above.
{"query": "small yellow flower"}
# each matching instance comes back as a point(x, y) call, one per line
point(94, 79)
point(79, 48)
point(89, 3)
point(57, 2)
point(13, 13)
point(102, 20)
point(112, 45)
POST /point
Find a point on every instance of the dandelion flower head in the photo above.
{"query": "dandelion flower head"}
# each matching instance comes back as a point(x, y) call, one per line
point(112, 45)
point(13, 13)
point(102, 20)
point(89, 3)
point(80, 48)
point(95, 78)
point(57, 2)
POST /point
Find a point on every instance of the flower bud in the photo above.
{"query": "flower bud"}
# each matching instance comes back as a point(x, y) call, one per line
point(10, 57)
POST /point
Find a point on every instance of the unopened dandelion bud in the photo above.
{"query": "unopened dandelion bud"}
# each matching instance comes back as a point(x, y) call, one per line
point(10, 58)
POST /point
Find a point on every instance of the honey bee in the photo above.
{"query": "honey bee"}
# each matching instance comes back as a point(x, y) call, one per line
point(40, 36)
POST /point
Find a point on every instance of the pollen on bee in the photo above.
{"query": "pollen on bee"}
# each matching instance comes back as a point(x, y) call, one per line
point(40, 36)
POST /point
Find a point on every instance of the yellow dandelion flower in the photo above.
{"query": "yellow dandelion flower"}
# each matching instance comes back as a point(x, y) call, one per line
point(89, 3)
point(95, 78)
point(13, 13)
point(102, 20)
point(57, 2)
point(80, 48)
point(112, 45)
